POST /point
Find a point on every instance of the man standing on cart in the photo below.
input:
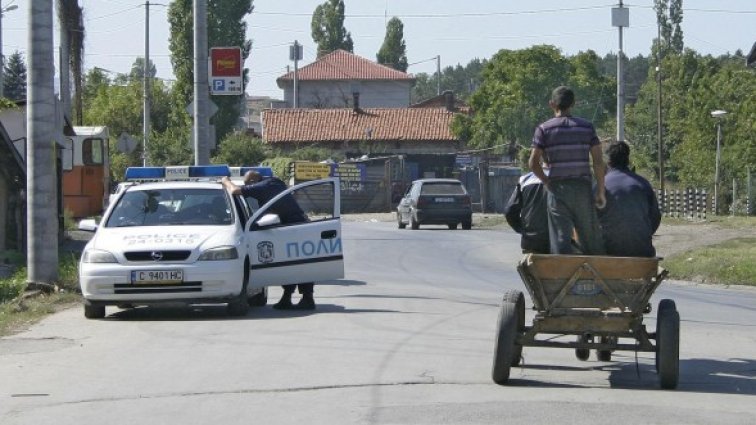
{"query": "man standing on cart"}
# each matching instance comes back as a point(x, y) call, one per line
point(568, 144)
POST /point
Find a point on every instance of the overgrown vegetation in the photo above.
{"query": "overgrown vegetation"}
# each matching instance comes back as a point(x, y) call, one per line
point(731, 262)
point(16, 310)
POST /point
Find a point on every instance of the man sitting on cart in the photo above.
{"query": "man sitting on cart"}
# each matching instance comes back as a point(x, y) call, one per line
point(632, 214)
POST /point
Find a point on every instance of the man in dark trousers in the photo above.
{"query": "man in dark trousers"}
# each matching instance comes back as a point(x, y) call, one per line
point(631, 215)
point(526, 214)
point(568, 144)
point(288, 211)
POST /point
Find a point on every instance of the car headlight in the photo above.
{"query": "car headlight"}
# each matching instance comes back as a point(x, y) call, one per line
point(97, 256)
point(220, 253)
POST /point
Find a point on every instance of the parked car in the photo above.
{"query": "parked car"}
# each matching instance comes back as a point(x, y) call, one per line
point(176, 236)
point(435, 201)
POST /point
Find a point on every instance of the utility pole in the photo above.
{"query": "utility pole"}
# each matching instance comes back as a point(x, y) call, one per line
point(201, 95)
point(147, 112)
point(438, 75)
point(295, 54)
point(41, 178)
point(660, 140)
point(620, 19)
point(65, 71)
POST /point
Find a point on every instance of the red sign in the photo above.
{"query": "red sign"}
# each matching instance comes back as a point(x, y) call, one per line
point(225, 62)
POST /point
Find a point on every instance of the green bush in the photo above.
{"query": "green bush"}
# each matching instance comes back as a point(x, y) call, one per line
point(68, 278)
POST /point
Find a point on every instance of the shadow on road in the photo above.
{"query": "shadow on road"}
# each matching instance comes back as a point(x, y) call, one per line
point(735, 376)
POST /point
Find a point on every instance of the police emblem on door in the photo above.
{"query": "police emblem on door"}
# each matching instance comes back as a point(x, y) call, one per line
point(265, 252)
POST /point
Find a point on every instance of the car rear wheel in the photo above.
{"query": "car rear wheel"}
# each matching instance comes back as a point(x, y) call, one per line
point(452, 226)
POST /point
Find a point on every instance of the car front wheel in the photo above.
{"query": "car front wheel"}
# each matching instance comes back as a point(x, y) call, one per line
point(93, 311)
point(399, 221)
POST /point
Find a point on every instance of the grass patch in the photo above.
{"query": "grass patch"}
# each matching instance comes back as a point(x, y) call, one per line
point(16, 311)
point(489, 220)
point(724, 221)
point(731, 262)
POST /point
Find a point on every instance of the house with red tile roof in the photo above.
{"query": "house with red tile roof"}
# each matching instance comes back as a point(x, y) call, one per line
point(368, 131)
point(332, 80)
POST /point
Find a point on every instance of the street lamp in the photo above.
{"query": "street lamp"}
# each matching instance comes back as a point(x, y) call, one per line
point(2, 58)
point(718, 114)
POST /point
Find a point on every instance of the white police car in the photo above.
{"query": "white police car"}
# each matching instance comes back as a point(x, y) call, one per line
point(176, 235)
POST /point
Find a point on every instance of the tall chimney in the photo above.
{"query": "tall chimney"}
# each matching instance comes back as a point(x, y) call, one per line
point(449, 100)
point(356, 101)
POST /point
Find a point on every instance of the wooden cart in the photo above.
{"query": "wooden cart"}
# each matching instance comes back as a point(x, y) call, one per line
point(600, 300)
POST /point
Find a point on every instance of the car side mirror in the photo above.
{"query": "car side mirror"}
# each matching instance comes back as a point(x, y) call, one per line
point(88, 225)
point(268, 220)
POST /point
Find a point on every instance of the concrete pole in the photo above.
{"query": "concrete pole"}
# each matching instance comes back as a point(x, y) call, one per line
point(660, 141)
point(716, 169)
point(147, 111)
point(296, 74)
point(201, 95)
point(41, 177)
point(620, 88)
point(438, 75)
point(2, 58)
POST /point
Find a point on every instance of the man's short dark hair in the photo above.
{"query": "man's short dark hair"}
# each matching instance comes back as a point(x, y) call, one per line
point(563, 97)
point(618, 154)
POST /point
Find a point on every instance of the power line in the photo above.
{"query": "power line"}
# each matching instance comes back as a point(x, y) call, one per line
point(451, 15)
point(113, 14)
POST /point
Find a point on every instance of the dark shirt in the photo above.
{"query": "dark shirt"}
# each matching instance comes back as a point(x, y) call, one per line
point(631, 216)
point(566, 143)
point(286, 208)
point(526, 212)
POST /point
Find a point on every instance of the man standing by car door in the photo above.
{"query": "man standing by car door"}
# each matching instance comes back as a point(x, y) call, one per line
point(567, 144)
point(289, 212)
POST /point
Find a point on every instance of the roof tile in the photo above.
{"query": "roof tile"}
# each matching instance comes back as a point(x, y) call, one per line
point(377, 124)
point(342, 65)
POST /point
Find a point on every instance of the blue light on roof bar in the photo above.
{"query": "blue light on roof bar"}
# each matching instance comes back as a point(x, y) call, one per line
point(177, 173)
point(240, 171)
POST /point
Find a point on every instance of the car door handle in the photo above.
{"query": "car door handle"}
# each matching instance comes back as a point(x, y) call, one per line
point(328, 234)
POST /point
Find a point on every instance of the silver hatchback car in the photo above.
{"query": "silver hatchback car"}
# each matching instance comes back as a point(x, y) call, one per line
point(435, 201)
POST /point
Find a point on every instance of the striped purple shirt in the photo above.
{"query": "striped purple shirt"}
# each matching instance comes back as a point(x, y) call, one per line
point(566, 143)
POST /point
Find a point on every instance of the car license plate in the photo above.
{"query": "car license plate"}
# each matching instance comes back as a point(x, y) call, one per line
point(444, 199)
point(157, 276)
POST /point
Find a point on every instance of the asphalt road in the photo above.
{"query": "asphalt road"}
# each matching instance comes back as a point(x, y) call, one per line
point(406, 338)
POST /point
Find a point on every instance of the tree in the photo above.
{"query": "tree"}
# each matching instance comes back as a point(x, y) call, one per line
point(669, 16)
point(137, 70)
point(328, 30)
point(72, 22)
point(462, 80)
point(14, 83)
point(393, 52)
point(226, 27)
point(239, 149)
point(516, 86)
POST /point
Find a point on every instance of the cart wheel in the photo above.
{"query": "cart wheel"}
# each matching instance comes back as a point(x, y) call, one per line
point(665, 304)
point(506, 332)
point(605, 355)
point(582, 354)
point(518, 299)
point(668, 347)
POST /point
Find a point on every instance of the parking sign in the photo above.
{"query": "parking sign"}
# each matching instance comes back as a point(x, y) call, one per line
point(226, 71)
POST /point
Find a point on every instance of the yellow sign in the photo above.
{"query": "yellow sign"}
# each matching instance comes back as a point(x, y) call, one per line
point(311, 171)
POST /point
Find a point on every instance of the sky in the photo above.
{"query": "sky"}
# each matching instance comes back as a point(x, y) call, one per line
point(458, 31)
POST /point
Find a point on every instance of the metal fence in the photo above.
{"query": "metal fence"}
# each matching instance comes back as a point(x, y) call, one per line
point(688, 203)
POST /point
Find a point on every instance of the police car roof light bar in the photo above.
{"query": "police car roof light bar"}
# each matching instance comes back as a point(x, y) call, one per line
point(184, 172)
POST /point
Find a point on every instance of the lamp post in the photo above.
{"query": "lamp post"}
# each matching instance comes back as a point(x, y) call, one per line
point(718, 114)
point(2, 58)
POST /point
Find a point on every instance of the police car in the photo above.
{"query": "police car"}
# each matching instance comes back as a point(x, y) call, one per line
point(176, 235)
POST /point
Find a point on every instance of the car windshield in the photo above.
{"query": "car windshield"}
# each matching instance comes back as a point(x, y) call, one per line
point(171, 207)
point(443, 188)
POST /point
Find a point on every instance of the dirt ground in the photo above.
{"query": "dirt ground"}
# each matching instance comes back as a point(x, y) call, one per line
point(669, 239)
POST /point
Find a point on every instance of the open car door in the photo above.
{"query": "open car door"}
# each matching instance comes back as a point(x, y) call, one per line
point(282, 254)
